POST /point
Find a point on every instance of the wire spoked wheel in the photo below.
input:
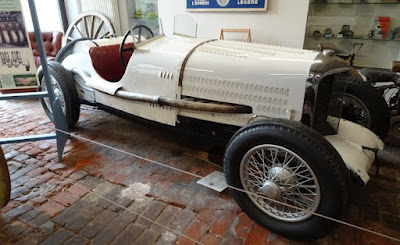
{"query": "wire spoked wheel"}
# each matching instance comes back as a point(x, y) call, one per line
point(282, 173)
point(89, 25)
point(363, 104)
point(356, 111)
point(57, 93)
point(64, 89)
point(282, 177)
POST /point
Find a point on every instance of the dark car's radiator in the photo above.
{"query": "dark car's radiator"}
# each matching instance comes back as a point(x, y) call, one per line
point(328, 105)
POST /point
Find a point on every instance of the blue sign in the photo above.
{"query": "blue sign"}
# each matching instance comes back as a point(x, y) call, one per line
point(226, 5)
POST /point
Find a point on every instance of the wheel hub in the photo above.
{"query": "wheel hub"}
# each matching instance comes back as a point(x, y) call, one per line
point(281, 175)
point(278, 173)
point(271, 189)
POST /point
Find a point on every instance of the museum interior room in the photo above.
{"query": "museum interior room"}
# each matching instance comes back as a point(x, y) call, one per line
point(200, 122)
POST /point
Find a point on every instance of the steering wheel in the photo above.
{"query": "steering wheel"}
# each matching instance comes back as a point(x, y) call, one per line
point(138, 33)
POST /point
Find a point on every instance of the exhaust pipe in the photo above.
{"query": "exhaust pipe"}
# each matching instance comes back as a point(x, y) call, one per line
point(176, 103)
point(386, 157)
point(185, 104)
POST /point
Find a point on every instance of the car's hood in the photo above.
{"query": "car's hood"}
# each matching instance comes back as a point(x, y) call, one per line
point(270, 79)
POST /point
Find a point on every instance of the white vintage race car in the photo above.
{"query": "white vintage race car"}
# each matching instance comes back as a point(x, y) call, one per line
point(291, 154)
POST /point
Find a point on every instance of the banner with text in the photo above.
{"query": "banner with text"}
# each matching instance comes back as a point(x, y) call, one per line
point(17, 65)
point(226, 5)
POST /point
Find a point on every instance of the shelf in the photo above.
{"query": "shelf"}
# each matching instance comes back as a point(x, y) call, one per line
point(362, 17)
point(357, 38)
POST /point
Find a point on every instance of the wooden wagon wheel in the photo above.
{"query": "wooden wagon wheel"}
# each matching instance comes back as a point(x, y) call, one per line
point(89, 25)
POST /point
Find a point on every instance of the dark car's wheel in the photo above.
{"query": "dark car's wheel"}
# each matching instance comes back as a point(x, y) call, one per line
point(64, 88)
point(293, 171)
point(5, 183)
point(364, 105)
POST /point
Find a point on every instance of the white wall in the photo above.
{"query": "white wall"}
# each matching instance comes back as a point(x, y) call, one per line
point(283, 24)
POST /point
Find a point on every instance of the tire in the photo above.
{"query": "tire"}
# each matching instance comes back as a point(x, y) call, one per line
point(328, 171)
point(21, 36)
point(372, 102)
point(65, 87)
point(6, 37)
point(14, 37)
point(5, 183)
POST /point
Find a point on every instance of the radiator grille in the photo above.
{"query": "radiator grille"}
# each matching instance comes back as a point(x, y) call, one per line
point(328, 106)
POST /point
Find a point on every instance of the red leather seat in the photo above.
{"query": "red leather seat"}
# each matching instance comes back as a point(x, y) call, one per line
point(107, 63)
point(51, 43)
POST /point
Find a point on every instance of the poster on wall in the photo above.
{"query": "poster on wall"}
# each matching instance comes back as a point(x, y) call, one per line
point(226, 5)
point(17, 65)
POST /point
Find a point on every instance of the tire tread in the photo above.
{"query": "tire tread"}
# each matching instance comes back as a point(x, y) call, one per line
point(314, 139)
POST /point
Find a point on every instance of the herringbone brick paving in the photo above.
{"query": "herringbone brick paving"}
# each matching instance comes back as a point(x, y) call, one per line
point(58, 202)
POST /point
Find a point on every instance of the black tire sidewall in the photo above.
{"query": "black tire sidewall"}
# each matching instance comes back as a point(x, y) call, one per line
point(67, 86)
point(6, 179)
point(373, 100)
point(332, 199)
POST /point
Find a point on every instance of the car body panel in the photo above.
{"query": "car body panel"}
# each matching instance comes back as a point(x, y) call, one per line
point(254, 75)
point(154, 68)
point(269, 79)
point(349, 143)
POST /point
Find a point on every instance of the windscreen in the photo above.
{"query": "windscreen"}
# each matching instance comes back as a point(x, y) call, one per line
point(184, 25)
point(145, 29)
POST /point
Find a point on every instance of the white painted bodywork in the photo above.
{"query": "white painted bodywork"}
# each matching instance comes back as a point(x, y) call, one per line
point(239, 73)
point(349, 141)
point(269, 79)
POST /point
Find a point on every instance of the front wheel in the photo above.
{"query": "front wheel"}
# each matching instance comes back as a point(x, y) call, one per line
point(365, 106)
point(288, 172)
point(64, 88)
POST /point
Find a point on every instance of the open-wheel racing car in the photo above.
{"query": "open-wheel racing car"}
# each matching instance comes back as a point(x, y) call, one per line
point(292, 155)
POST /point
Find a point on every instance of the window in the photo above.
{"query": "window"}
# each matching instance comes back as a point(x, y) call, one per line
point(48, 13)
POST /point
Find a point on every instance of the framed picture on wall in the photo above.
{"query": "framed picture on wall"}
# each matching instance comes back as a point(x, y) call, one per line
point(226, 5)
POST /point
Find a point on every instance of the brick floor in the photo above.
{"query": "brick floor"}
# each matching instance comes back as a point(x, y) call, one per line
point(68, 202)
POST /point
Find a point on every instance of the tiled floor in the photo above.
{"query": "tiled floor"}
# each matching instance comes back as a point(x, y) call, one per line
point(101, 196)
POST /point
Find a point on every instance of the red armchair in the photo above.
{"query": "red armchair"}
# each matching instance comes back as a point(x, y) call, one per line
point(52, 44)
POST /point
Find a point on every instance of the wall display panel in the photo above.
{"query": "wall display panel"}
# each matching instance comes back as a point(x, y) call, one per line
point(17, 66)
point(226, 5)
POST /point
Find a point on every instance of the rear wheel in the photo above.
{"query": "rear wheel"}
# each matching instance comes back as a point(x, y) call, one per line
point(64, 88)
point(365, 106)
point(288, 172)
